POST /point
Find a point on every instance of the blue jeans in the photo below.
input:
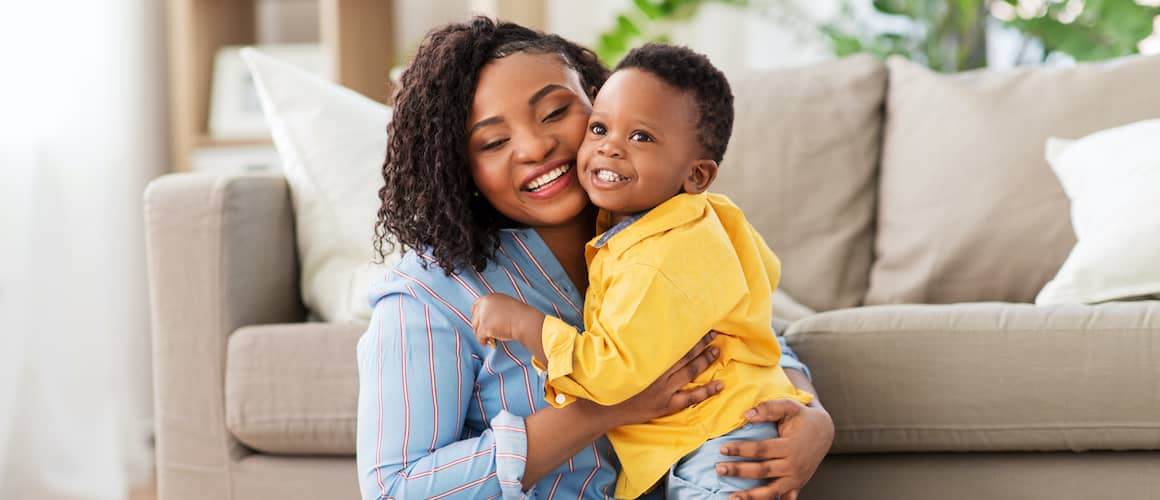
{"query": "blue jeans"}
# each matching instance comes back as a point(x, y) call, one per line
point(695, 475)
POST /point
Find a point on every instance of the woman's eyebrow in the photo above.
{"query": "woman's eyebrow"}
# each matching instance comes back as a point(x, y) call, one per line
point(549, 88)
point(483, 123)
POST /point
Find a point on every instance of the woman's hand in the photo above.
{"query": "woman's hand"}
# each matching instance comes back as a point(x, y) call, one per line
point(805, 434)
point(664, 396)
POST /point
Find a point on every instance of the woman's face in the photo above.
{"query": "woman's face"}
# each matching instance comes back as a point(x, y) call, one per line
point(527, 120)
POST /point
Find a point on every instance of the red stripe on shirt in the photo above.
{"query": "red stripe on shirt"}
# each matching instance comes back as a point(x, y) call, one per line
point(457, 489)
point(536, 262)
point(433, 294)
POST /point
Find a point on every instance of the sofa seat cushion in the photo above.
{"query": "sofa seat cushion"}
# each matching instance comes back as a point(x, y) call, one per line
point(293, 389)
point(987, 376)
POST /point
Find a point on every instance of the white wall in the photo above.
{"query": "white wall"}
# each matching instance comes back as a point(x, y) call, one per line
point(81, 132)
point(736, 39)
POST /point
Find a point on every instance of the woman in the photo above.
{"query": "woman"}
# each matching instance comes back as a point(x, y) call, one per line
point(480, 182)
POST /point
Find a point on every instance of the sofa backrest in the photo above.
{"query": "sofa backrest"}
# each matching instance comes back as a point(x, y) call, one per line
point(802, 163)
point(968, 208)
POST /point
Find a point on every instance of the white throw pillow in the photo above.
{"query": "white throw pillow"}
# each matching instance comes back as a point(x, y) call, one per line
point(1113, 180)
point(331, 142)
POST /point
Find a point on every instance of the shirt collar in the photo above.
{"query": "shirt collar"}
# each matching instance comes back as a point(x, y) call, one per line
point(674, 212)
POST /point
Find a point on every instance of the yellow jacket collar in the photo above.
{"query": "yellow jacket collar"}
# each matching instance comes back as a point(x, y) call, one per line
point(674, 212)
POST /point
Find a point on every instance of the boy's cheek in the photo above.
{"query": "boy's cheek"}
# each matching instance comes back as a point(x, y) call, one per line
point(587, 148)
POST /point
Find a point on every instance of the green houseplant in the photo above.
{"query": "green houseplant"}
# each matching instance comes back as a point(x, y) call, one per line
point(946, 35)
point(950, 35)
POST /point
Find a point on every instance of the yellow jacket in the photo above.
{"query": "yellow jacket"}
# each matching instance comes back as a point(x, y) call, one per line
point(656, 286)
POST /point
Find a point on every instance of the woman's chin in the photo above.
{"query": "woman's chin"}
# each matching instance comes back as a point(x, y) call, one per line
point(564, 209)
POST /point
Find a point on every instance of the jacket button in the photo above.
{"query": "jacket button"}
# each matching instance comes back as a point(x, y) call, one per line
point(560, 399)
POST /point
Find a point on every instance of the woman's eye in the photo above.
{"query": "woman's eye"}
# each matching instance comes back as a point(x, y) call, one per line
point(559, 111)
point(493, 145)
point(598, 129)
point(640, 137)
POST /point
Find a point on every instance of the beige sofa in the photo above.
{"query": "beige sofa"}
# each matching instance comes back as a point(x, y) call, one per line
point(878, 185)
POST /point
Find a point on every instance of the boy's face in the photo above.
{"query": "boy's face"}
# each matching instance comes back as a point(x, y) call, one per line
point(641, 146)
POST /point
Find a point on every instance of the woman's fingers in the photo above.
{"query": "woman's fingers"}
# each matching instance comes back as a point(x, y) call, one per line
point(773, 411)
point(774, 490)
point(685, 399)
point(690, 365)
point(765, 448)
point(756, 470)
point(693, 362)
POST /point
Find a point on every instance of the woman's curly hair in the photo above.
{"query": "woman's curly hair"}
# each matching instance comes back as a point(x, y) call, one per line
point(429, 200)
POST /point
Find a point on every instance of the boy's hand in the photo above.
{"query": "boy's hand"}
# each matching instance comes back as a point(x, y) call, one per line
point(496, 316)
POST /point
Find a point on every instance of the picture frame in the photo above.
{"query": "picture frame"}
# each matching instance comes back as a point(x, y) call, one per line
point(235, 110)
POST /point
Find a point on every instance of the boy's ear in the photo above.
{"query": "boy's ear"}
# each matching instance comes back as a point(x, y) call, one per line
point(700, 176)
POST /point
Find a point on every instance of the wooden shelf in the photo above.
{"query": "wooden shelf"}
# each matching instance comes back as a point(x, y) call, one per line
point(356, 35)
point(205, 141)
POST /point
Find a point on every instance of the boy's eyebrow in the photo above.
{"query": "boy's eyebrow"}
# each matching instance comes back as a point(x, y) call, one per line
point(648, 125)
point(549, 88)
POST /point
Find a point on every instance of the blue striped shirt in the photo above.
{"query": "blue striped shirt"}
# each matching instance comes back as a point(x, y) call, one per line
point(441, 416)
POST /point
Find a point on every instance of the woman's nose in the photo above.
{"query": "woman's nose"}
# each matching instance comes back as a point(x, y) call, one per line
point(533, 147)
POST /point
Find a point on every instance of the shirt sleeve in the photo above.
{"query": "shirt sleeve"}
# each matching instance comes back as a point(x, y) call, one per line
point(617, 356)
point(416, 379)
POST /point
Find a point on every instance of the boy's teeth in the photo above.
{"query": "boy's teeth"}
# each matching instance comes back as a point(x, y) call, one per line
point(608, 176)
point(549, 176)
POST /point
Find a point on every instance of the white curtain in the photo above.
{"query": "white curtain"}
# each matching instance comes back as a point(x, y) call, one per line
point(82, 130)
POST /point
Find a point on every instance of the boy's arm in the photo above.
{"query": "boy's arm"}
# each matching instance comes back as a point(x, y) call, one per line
point(642, 325)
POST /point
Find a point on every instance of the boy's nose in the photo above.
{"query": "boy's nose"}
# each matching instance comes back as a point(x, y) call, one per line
point(609, 149)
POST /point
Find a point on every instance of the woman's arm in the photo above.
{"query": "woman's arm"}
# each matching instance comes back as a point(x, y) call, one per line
point(556, 434)
point(805, 436)
point(416, 378)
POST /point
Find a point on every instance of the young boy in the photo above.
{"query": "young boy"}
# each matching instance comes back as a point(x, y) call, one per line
point(674, 263)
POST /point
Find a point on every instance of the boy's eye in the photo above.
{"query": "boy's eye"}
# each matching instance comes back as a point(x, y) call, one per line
point(640, 137)
point(555, 113)
point(598, 129)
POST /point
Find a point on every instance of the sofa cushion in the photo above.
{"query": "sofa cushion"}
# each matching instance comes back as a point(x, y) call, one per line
point(293, 389)
point(968, 208)
point(988, 376)
point(802, 164)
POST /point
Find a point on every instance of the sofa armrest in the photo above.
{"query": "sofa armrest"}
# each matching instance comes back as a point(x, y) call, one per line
point(221, 255)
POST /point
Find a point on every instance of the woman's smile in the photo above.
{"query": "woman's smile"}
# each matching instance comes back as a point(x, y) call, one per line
point(548, 180)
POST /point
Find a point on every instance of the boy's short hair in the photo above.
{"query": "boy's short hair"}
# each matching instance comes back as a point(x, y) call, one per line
point(692, 72)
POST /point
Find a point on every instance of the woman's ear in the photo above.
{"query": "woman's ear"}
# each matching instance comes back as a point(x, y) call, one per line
point(700, 176)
